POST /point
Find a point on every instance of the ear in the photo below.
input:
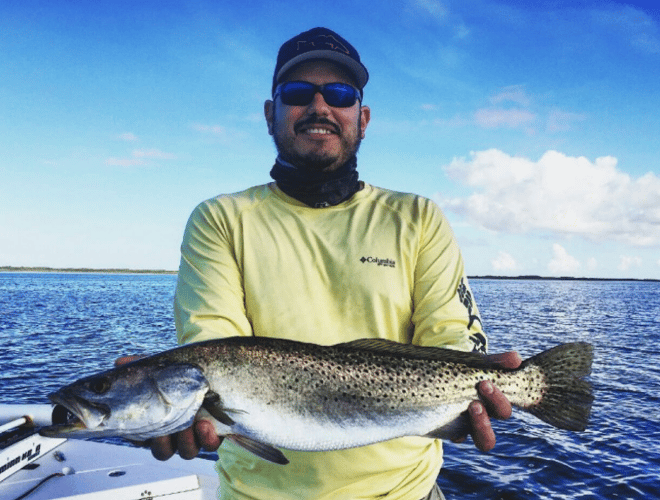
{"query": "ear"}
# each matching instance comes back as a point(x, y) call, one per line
point(365, 113)
point(269, 113)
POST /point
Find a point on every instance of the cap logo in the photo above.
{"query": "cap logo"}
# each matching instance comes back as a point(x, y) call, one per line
point(327, 40)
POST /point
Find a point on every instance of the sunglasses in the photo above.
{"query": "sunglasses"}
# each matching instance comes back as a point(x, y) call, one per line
point(337, 95)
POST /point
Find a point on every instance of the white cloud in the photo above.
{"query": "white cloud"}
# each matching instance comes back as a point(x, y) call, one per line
point(140, 157)
point(561, 261)
point(455, 122)
point(513, 93)
point(592, 264)
point(498, 117)
point(125, 162)
point(626, 262)
point(504, 262)
point(433, 8)
point(557, 194)
point(513, 107)
point(153, 153)
point(210, 129)
point(127, 136)
point(561, 121)
point(461, 31)
point(633, 25)
point(226, 135)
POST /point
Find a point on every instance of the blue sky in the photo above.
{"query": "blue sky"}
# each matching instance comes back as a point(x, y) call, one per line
point(534, 125)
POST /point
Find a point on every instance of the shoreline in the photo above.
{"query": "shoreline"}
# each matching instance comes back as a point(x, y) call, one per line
point(20, 269)
point(558, 278)
point(82, 270)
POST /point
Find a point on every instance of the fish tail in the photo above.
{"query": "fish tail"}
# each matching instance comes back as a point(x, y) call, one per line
point(566, 400)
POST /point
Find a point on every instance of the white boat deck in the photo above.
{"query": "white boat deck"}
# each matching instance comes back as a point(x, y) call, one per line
point(100, 471)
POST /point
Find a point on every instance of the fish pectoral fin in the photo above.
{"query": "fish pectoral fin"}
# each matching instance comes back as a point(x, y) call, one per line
point(261, 450)
point(213, 404)
point(456, 429)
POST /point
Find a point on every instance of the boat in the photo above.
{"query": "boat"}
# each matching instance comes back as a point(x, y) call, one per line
point(33, 467)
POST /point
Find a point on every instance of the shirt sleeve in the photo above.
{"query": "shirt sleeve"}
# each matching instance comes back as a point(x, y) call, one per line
point(209, 300)
point(445, 313)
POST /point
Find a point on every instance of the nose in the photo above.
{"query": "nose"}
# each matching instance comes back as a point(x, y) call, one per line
point(318, 105)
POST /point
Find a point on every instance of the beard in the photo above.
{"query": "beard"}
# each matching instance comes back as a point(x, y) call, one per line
point(318, 161)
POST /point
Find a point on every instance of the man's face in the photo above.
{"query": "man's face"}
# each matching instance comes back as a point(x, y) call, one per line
point(317, 136)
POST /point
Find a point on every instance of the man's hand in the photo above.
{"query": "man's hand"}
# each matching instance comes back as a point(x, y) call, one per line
point(189, 442)
point(493, 404)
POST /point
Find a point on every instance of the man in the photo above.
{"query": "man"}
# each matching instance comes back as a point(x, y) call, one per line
point(319, 256)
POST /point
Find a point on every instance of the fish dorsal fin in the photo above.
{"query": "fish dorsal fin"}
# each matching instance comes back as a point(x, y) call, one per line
point(384, 346)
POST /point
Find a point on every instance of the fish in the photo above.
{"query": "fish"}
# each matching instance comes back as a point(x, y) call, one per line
point(268, 394)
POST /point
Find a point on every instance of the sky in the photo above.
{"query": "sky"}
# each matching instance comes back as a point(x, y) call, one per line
point(534, 125)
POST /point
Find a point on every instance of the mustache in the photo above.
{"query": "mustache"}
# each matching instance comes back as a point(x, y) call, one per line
point(316, 120)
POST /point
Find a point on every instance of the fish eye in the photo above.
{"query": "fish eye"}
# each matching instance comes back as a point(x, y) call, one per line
point(99, 385)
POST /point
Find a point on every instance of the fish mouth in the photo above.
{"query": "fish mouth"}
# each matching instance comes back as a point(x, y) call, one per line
point(73, 414)
point(64, 423)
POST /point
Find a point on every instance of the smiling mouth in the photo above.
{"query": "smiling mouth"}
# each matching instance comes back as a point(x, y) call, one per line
point(322, 131)
point(317, 125)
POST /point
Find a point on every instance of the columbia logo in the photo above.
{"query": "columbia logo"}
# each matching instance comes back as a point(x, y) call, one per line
point(379, 262)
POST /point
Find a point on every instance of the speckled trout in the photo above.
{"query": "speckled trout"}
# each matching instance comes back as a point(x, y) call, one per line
point(264, 394)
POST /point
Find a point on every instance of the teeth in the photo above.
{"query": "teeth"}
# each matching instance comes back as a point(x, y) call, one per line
point(318, 131)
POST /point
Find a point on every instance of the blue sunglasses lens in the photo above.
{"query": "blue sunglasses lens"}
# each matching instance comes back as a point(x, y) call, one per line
point(338, 95)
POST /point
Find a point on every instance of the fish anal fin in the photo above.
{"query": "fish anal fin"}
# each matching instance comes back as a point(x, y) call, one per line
point(261, 450)
point(456, 429)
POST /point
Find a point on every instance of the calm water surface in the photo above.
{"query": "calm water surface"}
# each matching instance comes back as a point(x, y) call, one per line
point(56, 327)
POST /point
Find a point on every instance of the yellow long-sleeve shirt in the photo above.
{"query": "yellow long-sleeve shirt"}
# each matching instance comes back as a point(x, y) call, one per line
point(382, 264)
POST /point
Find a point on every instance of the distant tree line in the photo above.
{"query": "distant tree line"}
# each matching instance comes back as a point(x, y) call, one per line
point(82, 270)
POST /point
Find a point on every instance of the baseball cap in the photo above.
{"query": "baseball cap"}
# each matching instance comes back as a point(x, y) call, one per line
point(319, 43)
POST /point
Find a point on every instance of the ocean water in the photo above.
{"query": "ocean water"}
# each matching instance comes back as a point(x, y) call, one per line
point(56, 327)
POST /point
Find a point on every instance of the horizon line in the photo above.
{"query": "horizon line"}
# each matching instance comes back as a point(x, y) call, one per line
point(530, 277)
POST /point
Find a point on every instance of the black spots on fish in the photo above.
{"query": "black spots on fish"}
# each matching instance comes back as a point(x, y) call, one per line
point(343, 380)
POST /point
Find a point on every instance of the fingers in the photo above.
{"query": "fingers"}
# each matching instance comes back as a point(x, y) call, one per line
point(493, 404)
point(163, 448)
point(506, 359)
point(482, 432)
point(206, 435)
point(496, 403)
point(126, 359)
point(187, 443)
